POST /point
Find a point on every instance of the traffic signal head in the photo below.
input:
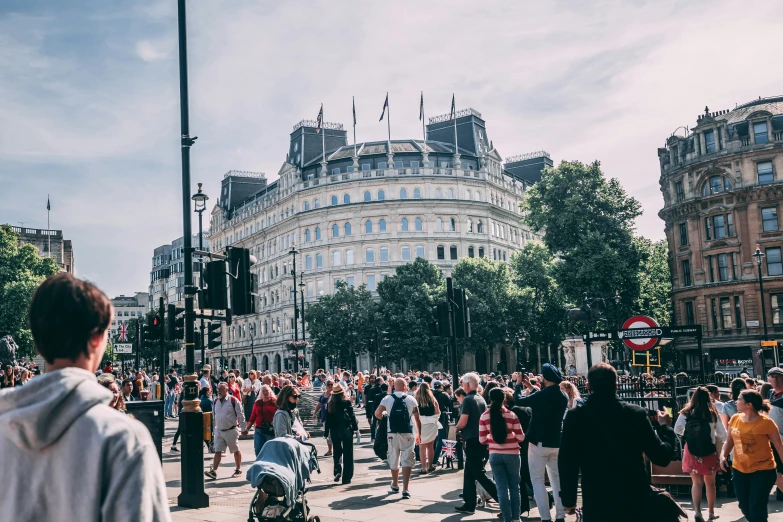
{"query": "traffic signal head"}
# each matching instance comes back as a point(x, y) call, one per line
point(154, 327)
point(214, 296)
point(461, 314)
point(175, 322)
point(214, 335)
point(241, 282)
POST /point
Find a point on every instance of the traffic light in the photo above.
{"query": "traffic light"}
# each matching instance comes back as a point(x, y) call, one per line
point(440, 324)
point(154, 328)
point(175, 323)
point(241, 281)
point(214, 335)
point(461, 314)
point(214, 296)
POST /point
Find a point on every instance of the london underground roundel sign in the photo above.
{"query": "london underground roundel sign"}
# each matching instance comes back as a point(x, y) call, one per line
point(641, 333)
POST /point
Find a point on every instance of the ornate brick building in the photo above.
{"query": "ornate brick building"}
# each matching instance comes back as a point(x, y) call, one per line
point(722, 184)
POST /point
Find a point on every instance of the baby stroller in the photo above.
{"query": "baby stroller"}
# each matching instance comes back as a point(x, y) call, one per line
point(279, 475)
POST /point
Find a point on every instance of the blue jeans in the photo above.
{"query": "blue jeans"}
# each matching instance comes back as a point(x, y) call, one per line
point(359, 398)
point(259, 439)
point(505, 470)
point(169, 404)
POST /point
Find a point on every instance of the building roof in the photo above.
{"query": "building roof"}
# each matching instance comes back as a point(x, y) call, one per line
point(773, 105)
point(382, 147)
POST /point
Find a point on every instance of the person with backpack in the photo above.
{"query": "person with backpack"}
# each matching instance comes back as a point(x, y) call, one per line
point(402, 412)
point(227, 413)
point(704, 434)
point(341, 425)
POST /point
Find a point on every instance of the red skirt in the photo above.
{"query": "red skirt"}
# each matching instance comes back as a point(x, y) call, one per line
point(699, 465)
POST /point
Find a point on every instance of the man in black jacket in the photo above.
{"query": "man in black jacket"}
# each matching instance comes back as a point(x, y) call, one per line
point(606, 438)
point(444, 403)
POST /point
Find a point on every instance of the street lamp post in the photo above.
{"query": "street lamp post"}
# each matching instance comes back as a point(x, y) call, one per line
point(200, 200)
point(617, 300)
point(301, 290)
point(252, 353)
point(759, 255)
point(293, 253)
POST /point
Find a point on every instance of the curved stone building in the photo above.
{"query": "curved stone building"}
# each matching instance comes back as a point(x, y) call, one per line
point(722, 184)
point(355, 213)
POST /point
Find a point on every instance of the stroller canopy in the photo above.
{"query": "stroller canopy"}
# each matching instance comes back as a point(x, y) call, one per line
point(285, 459)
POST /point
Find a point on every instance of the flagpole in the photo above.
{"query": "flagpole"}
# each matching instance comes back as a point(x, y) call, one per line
point(388, 120)
point(353, 99)
point(323, 136)
point(456, 146)
point(423, 131)
point(48, 235)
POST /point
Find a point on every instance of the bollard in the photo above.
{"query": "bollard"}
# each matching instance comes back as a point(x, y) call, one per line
point(192, 461)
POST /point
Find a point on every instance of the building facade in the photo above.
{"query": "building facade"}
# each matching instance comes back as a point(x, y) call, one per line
point(356, 212)
point(49, 243)
point(127, 308)
point(722, 184)
point(167, 276)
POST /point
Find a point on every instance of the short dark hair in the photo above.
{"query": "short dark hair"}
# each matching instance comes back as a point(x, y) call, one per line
point(712, 388)
point(602, 378)
point(127, 381)
point(65, 312)
point(459, 392)
point(737, 385)
point(755, 399)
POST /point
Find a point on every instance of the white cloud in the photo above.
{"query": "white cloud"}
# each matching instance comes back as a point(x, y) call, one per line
point(150, 52)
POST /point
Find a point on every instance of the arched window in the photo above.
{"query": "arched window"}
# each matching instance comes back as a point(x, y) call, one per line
point(478, 195)
point(716, 185)
point(369, 255)
point(368, 227)
point(453, 252)
point(346, 198)
point(317, 233)
point(439, 225)
point(319, 261)
point(470, 225)
point(335, 230)
point(367, 196)
point(420, 251)
point(471, 252)
point(307, 235)
point(334, 200)
point(404, 225)
point(307, 205)
point(468, 195)
point(348, 229)
point(336, 261)
point(384, 251)
point(417, 193)
point(381, 195)
point(316, 204)
point(403, 193)
point(406, 253)
point(441, 252)
point(481, 251)
point(349, 256)
point(450, 193)
point(382, 225)
point(419, 224)
point(453, 224)
point(480, 227)
point(308, 262)
point(438, 193)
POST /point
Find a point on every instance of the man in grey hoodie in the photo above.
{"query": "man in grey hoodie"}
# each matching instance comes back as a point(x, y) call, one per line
point(82, 460)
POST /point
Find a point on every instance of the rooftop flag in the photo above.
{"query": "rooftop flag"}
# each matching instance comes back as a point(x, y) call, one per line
point(320, 120)
point(385, 106)
point(421, 107)
point(453, 108)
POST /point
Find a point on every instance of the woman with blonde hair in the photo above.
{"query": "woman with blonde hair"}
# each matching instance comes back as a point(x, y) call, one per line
point(264, 409)
point(574, 398)
point(429, 411)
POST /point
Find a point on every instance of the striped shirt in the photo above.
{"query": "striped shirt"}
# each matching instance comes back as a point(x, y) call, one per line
point(514, 432)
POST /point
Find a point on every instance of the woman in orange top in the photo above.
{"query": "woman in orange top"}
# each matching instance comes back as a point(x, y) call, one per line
point(753, 472)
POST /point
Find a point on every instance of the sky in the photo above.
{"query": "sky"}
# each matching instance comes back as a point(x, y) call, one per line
point(89, 94)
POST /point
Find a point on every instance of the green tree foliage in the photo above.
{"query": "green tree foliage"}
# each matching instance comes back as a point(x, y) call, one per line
point(655, 282)
point(405, 308)
point(341, 325)
point(587, 223)
point(21, 270)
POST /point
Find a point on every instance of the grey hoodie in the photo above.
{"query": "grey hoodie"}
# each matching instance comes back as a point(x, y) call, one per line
point(69, 456)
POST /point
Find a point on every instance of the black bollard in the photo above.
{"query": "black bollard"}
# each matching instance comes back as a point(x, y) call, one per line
point(192, 457)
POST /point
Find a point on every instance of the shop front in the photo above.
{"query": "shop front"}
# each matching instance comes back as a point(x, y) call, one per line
point(733, 360)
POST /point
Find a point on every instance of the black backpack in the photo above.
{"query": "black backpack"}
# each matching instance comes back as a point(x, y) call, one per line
point(698, 437)
point(399, 418)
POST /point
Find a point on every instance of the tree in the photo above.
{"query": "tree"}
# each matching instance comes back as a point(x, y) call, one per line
point(21, 270)
point(341, 325)
point(405, 309)
point(655, 283)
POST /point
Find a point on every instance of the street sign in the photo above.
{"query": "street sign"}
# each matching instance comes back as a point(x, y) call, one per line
point(647, 358)
point(752, 324)
point(655, 357)
point(123, 348)
point(641, 332)
point(769, 344)
point(600, 336)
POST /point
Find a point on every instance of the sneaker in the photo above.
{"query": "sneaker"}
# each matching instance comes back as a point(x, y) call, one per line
point(394, 490)
point(406, 495)
point(211, 474)
point(465, 509)
point(174, 449)
point(237, 472)
point(337, 477)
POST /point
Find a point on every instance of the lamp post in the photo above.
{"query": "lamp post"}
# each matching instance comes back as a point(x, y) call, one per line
point(617, 300)
point(759, 255)
point(301, 293)
point(252, 353)
point(200, 200)
point(293, 253)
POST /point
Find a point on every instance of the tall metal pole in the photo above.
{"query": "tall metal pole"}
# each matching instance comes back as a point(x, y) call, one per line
point(296, 328)
point(201, 282)
point(761, 297)
point(191, 419)
point(452, 332)
point(301, 289)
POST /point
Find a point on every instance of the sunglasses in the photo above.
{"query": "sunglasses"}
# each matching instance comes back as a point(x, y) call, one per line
point(296, 397)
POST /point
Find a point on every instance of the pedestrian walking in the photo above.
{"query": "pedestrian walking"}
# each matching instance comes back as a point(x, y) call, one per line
point(234, 389)
point(402, 414)
point(127, 391)
point(473, 405)
point(171, 393)
point(371, 401)
point(574, 398)
point(251, 390)
point(753, 467)
point(206, 403)
point(228, 419)
point(286, 420)
point(340, 426)
point(608, 439)
point(526, 485)
point(548, 406)
point(499, 428)
point(429, 412)
point(704, 436)
point(262, 417)
point(775, 397)
point(444, 405)
point(360, 382)
point(730, 406)
point(320, 412)
point(57, 434)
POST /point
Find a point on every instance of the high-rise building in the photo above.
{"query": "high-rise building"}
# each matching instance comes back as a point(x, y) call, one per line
point(127, 308)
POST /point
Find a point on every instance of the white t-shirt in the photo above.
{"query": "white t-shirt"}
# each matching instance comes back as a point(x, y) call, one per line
point(248, 384)
point(410, 402)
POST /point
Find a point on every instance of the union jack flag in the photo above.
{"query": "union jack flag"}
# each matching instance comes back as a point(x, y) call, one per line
point(122, 333)
point(449, 449)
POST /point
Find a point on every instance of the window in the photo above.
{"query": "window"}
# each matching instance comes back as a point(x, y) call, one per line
point(404, 225)
point(317, 233)
point(719, 226)
point(716, 185)
point(366, 166)
point(479, 227)
point(769, 219)
point(686, 272)
point(481, 251)
point(336, 170)
point(384, 251)
point(335, 230)
point(471, 252)
point(678, 189)
point(760, 132)
point(439, 225)
point(367, 196)
point(414, 164)
point(417, 193)
point(316, 204)
point(470, 225)
point(381, 195)
point(348, 229)
point(308, 262)
point(350, 281)
point(468, 195)
point(683, 234)
point(438, 193)
point(382, 225)
point(319, 261)
point(777, 308)
point(381, 164)
point(369, 255)
point(774, 262)
point(689, 317)
point(420, 251)
point(307, 205)
point(346, 198)
point(368, 227)
point(725, 313)
point(371, 286)
point(453, 252)
point(349, 256)
point(334, 201)
point(723, 267)
point(419, 224)
point(397, 164)
point(453, 224)
point(709, 141)
point(307, 235)
point(403, 194)
point(441, 252)
point(738, 311)
point(764, 170)
point(478, 195)
point(406, 253)
point(450, 193)
point(336, 261)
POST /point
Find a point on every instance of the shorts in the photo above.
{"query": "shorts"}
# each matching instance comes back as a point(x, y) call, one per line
point(401, 450)
point(778, 461)
point(226, 439)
